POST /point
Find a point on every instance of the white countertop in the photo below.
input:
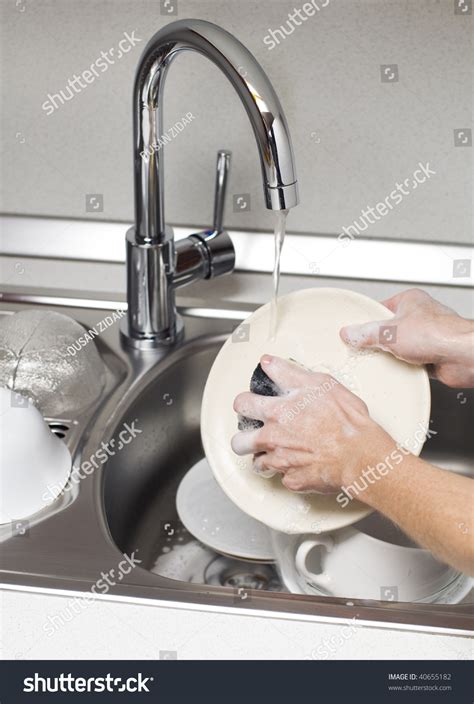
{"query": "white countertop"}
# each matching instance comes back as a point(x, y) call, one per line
point(110, 630)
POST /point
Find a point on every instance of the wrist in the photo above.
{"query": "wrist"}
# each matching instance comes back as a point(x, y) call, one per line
point(453, 340)
point(371, 452)
point(455, 354)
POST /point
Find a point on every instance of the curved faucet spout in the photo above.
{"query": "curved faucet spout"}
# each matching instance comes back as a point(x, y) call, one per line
point(256, 93)
point(156, 265)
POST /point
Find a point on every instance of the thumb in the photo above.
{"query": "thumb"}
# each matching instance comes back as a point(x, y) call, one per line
point(367, 335)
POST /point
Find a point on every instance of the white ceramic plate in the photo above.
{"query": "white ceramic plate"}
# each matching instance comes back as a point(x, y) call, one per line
point(397, 395)
point(208, 514)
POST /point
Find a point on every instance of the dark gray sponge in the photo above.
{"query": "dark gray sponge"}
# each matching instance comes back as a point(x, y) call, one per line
point(261, 384)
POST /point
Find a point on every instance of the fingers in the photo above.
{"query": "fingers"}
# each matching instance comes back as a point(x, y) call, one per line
point(368, 335)
point(409, 299)
point(246, 442)
point(286, 375)
point(301, 481)
point(393, 302)
point(296, 480)
point(262, 467)
point(251, 442)
point(365, 336)
point(294, 466)
point(253, 405)
point(281, 460)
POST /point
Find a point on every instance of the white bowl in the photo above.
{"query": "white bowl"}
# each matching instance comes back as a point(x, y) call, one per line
point(32, 459)
point(397, 395)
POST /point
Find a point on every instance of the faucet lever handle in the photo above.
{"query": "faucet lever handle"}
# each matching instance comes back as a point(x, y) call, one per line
point(222, 170)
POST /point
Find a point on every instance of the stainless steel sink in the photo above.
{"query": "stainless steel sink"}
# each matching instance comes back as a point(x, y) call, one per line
point(128, 504)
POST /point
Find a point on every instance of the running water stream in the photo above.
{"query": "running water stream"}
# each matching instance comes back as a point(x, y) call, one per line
point(280, 228)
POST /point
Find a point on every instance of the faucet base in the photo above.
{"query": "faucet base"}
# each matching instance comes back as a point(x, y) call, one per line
point(150, 343)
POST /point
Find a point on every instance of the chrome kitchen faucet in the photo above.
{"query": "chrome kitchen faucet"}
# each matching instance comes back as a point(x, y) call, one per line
point(156, 264)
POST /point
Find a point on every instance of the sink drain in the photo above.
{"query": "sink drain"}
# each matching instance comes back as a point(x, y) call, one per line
point(227, 572)
point(194, 562)
point(59, 428)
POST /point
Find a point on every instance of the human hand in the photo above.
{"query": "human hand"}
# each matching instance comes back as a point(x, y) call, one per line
point(318, 434)
point(425, 332)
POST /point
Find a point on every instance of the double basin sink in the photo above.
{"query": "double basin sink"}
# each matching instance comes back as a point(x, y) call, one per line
point(127, 505)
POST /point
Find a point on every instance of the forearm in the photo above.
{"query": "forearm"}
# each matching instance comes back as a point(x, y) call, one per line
point(433, 506)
